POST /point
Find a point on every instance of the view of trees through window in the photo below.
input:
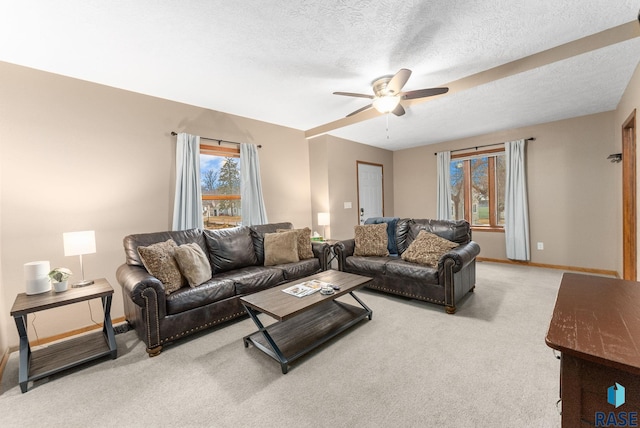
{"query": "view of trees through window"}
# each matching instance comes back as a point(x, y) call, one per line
point(477, 189)
point(220, 181)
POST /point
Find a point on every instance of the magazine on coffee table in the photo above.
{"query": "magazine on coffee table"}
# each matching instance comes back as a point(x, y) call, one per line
point(305, 288)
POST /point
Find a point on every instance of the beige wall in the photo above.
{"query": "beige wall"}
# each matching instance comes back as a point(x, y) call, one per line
point(334, 160)
point(629, 102)
point(572, 190)
point(77, 155)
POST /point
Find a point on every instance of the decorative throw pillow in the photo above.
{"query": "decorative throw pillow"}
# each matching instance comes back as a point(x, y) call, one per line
point(280, 248)
point(427, 249)
point(371, 240)
point(159, 261)
point(193, 263)
point(304, 242)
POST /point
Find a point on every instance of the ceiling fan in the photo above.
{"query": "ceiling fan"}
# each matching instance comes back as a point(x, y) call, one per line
point(387, 97)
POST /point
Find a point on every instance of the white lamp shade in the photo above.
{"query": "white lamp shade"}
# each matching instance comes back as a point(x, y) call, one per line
point(323, 219)
point(78, 243)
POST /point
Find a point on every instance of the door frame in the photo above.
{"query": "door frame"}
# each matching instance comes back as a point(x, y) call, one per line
point(358, 163)
point(629, 199)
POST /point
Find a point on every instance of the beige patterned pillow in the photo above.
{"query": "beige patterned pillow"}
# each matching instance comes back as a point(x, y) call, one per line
point(193, 263)
point(304, 242)
point(371, 240)
point(159, 261)
point(280, 248)
point(427, 249)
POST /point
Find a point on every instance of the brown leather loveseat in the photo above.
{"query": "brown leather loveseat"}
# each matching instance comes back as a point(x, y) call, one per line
point(444, 284)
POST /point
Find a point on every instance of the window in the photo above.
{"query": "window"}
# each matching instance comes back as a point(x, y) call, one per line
point(220, 181)
point(477, 189)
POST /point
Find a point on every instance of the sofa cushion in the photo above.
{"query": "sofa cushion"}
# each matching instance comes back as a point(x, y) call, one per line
point(253, 278)
point(391, 231)
point(402, 270)
point(457, 231)
point(280, 248)
point(402, 234)
point(190, 298)
point(371, 240)
point(304, 242)
point(427, 249)
point(159, 261)
point(368, 266)
point(293, 271)
point(193, 263)
point(132, 242)
point(230, 248)
point(257, 234)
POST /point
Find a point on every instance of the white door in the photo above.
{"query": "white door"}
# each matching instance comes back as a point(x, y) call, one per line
point(370, 194)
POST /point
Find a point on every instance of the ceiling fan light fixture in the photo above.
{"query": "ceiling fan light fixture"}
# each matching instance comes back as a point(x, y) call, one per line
point(386, 104)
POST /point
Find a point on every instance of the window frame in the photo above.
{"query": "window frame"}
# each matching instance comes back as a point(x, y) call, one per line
point(208, 149)
point(491, 155)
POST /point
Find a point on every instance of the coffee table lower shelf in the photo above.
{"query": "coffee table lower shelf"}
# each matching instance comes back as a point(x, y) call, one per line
point(286, 341)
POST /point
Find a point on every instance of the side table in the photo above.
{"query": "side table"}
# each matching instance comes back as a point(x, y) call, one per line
point(63, 355)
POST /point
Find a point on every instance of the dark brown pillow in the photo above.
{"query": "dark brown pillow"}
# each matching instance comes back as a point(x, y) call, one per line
point(304, 242)
point(159, 261)
point(427, 249)
point(371, 240)
point(280, 248)
point(193, 263)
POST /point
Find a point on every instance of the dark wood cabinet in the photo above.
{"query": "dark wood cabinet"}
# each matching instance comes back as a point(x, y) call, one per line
point(596, 327)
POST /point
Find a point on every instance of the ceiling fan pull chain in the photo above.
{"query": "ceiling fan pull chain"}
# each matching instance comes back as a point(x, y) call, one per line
point(387, 125)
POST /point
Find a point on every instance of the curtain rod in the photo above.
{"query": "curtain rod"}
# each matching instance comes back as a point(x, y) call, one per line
point(486, 145)
point(174, 133)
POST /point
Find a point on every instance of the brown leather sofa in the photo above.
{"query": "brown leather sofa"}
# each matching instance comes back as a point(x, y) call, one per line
point(445, 284)
point(237, 262)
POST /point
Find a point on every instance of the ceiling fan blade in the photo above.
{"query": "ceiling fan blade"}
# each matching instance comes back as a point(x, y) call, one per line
point(367, 107)
point(398, 81)
point(422, 93)
point(399, 110)
point(351, 94)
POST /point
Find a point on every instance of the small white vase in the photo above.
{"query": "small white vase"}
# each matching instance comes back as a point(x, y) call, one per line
point(60, 286)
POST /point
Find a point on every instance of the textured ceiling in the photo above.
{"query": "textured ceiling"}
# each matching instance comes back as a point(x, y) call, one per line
point(280, 60)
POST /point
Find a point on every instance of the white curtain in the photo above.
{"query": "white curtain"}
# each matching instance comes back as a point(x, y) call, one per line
point(516, 210)
point(253, 211)
point(187, 207)
point(444, 186)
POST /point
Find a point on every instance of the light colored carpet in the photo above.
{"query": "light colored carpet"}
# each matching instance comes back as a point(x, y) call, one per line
point(411, 366)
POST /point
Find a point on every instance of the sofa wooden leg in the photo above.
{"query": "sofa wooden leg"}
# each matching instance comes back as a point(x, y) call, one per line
point(450, 309)
point(472, 289)
point(154, 351)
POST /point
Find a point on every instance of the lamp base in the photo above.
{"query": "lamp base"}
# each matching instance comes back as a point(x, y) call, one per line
point(82, 283)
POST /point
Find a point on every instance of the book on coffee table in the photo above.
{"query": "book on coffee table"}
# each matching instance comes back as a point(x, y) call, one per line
point(305, 288)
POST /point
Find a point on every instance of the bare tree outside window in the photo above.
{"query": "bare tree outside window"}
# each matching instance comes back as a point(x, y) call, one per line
point(220, 183)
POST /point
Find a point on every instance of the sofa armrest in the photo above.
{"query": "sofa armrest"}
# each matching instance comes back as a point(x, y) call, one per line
point(459, 257)
point(342, 250)
point(321, 251)
point(140, 285)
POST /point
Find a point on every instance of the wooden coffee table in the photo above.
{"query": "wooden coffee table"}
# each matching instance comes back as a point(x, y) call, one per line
point(304, 323)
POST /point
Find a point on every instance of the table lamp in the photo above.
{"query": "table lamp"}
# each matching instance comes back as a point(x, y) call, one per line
point(77, 244)
point(323, 220)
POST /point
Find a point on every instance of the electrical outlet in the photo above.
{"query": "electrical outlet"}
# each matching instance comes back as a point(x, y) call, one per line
point(540, 245)
point(347, 205)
